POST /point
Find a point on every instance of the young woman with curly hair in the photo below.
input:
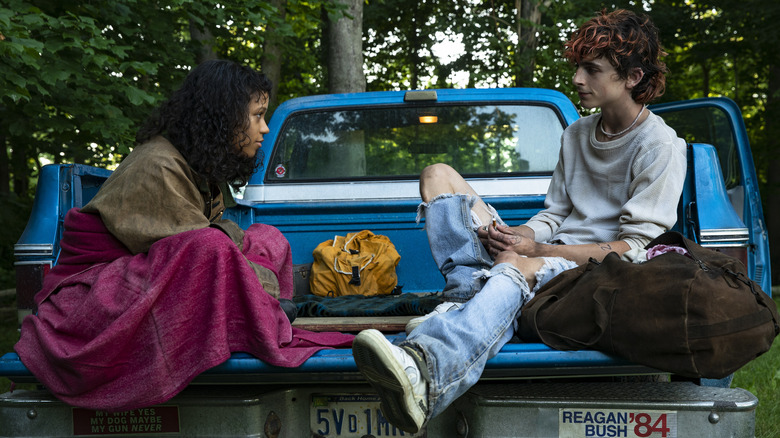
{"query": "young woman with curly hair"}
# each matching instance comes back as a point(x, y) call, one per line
point(616, 187)
point(152, 285)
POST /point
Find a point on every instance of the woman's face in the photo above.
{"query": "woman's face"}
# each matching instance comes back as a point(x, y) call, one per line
point(252, 140)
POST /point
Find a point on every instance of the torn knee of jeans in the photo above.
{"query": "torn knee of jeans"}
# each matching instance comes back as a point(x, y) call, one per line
point(424, 205)
point(506, 269)
point(420, 208)
point(484, 274)
point(551, 268)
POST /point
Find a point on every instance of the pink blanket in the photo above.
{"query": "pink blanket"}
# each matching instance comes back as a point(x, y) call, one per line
point(117, 331)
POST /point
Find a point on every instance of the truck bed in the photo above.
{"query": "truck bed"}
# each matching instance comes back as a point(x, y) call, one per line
point(528, 389)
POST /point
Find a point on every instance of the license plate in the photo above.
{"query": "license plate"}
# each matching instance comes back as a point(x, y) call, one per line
point(349, 416)
point(579, 423)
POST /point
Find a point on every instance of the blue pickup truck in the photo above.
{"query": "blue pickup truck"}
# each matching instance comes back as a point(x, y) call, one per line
point(335, 164)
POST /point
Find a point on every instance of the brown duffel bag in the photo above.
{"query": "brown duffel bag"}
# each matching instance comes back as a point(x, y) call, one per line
point(697, 316)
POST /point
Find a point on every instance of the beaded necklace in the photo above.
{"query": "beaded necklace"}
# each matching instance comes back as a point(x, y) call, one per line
point(609, 134)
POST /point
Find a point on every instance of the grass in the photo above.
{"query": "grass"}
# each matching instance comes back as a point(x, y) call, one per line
point(8, 333)
point(761, 376)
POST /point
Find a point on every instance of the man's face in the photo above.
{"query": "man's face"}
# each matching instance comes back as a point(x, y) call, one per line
point(256, 126)
point(598, 83)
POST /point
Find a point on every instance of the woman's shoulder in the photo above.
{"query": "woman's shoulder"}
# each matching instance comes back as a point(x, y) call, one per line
point(156, 150)
point(155, 163)
point(155, 158)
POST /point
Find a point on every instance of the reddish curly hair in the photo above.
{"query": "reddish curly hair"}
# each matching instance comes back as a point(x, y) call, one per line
point(626, 40)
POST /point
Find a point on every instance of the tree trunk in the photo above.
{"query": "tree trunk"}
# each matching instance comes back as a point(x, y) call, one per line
point(737, 84)
point(414, 45)
point(5, 174)
point(205, 38)
point(271, 61)
point(772, 151)
point(345, 51)
point(20, 172)
point(528, 17)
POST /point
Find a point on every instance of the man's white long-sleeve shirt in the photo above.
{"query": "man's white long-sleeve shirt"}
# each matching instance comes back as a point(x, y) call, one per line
point(625, 189)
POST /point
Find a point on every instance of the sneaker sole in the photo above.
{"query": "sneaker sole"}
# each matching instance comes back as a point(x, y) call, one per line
point(378, 364)
point(413, 324)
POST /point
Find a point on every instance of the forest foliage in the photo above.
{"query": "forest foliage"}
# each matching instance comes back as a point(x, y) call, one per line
point(77, 78)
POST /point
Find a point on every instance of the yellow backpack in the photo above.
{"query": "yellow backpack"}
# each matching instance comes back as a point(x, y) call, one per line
point(361, 263)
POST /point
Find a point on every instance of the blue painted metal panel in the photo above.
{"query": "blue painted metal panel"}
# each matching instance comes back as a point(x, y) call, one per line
point(305, 225)
point(42, 226)
point(60, 187)
point(13, 368)
point(714, 209)
point(512, 357)
point(753, 216)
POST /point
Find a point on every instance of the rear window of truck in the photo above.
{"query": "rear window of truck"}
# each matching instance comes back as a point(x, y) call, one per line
point(398, 142)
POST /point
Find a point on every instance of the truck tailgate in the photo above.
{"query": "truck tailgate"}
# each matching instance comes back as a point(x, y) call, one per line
point(564, 409)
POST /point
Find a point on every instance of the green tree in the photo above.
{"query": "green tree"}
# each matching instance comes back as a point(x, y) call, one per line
point(399, 38)
point(77, 78)
point(724, 48)
point(505, 42)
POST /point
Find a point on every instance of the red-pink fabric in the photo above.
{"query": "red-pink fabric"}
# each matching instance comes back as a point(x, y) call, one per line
point(117, 331)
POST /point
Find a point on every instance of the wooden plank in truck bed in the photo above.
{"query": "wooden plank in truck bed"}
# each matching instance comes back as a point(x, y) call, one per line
point(389, 324)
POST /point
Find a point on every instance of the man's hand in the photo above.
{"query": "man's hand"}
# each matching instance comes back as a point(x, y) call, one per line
point(498, 238)
point(520, 240)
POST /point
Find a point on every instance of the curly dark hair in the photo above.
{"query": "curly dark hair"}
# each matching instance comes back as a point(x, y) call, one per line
point(627, 41)
point(206, 117)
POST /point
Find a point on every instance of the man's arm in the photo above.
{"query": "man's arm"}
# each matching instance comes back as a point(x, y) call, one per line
point(518, 239)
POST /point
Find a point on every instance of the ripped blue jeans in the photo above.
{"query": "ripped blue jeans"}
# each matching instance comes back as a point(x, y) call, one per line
point(457, 344)
point(456, 249)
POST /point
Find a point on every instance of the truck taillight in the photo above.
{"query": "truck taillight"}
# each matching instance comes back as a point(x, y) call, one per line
point(29, 280)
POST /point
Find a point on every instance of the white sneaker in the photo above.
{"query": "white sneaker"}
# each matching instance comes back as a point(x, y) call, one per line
point(441, 308)
point(393, 373)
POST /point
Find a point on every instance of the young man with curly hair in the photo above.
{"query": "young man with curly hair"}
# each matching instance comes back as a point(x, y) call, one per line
point(616, 187)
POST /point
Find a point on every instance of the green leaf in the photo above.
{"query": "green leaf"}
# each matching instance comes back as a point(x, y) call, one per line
point(144, 68)
point(31, 20)
point(30, 44)
point(138, 96)
point(5, 17)
point(15, 79)
point(54, 76)
point(10, 48)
